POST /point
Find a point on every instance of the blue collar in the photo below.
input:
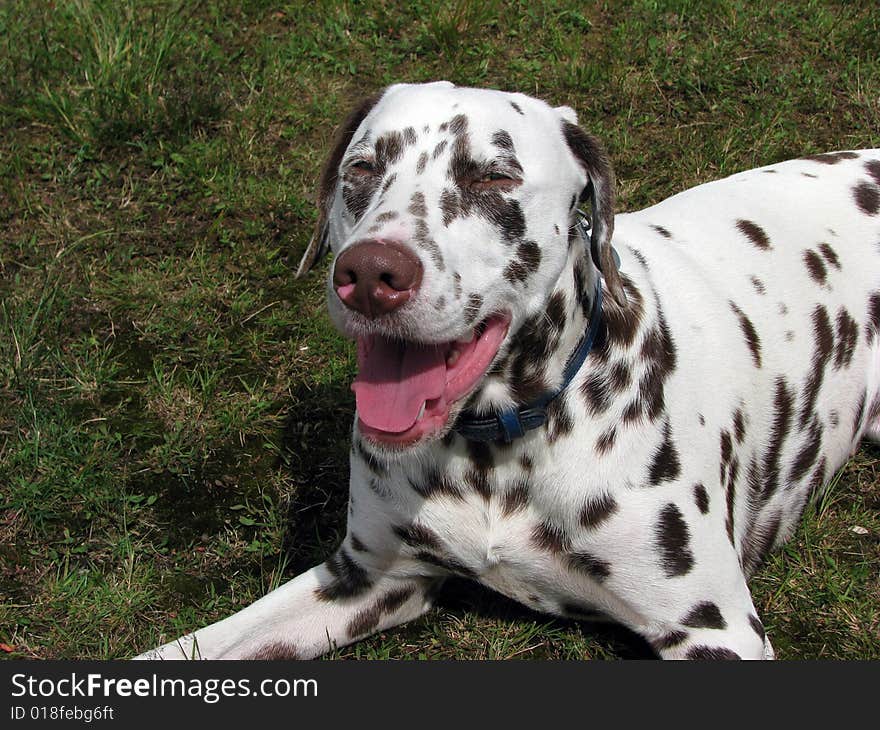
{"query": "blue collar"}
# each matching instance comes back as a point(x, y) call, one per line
point(513, 423)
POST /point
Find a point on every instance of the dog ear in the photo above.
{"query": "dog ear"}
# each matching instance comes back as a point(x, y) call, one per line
point(567, 114)
point(319, 244)
point(600, 192)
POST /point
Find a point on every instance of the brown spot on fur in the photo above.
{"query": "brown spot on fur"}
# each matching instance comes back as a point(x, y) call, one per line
point(831, 158)
point(751, 336)
point(559, 420)
point(731, 497)
point(847, 339)
point(701, 498)
point(418, 536)
point(867, 197)
point(357, 195)
point(388, 215)
point(597, 392)
point(818, 478)
point(711, 652)
point(434, 483)
point(873, 317)
point(458, 124)
point(502, 140)
point(726, 452)
point(389, 181)
point(481, 456)
point(597, 510)
point(449, 205)
point(605, 442)
point(550, 537)
point(529, 258)
point(658, 352)
point(478, 480)
point(815, 266)
point(589, 564)
point(349, 578)
point(808, 453)
point(388, 150)
point(620, 376)
point(739, 425)
point(515, 498)
point(759, 540)
point(622, 323)
point(830, 255)
point(859, 415)
point(374, 464)
point(665, 465)
point(705, 615)
point(754, 233)
point(673, 542)
point(417, 205)
point(669, 640)
point(456, 285)
point(784, 406)
point(445, 562)
point(275, 651)
point(472, 308)
point(640, 257)
point(366, 620)
point(824, 345)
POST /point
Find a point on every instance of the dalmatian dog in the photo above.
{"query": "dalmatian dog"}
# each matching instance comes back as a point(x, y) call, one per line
point(591, 424)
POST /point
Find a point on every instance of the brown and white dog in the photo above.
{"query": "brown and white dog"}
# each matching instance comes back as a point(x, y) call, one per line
point(585, 437)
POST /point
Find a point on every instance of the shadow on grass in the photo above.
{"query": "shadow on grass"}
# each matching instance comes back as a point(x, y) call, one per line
point(460, 596)
point(315, 442)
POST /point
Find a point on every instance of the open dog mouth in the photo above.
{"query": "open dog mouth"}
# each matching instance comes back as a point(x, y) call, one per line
point(405, 390)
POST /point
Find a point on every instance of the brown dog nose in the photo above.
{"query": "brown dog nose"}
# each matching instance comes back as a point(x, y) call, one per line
point(376, 277)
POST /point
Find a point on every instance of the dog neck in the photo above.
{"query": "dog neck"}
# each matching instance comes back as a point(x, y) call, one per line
point(539, 360)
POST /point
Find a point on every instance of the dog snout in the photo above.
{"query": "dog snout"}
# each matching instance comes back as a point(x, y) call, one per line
point(375, 277)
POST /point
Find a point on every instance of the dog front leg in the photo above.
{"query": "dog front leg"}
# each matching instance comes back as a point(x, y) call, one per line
point(723, 624)
point(329, 606)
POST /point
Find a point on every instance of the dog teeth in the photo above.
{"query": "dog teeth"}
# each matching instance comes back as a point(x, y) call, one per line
point(452, 357)
point(421, 412)
point(466, 339)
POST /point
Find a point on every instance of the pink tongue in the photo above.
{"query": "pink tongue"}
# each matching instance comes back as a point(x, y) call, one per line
point(394, 380)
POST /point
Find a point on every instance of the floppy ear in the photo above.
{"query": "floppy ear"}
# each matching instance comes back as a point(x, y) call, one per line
point(567, 113)
point(319, 244)
point(600, 191)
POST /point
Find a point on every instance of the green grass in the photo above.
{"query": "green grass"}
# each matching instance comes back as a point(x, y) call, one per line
point(174, 408)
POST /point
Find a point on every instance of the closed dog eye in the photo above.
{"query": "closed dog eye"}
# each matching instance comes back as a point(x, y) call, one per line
point(494, 181)
point(361, 167)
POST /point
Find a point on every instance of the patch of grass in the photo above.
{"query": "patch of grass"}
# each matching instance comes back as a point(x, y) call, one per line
point(110, 74)
point(175, 410)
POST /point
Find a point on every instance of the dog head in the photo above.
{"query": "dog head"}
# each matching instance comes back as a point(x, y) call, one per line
point(448, 210)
